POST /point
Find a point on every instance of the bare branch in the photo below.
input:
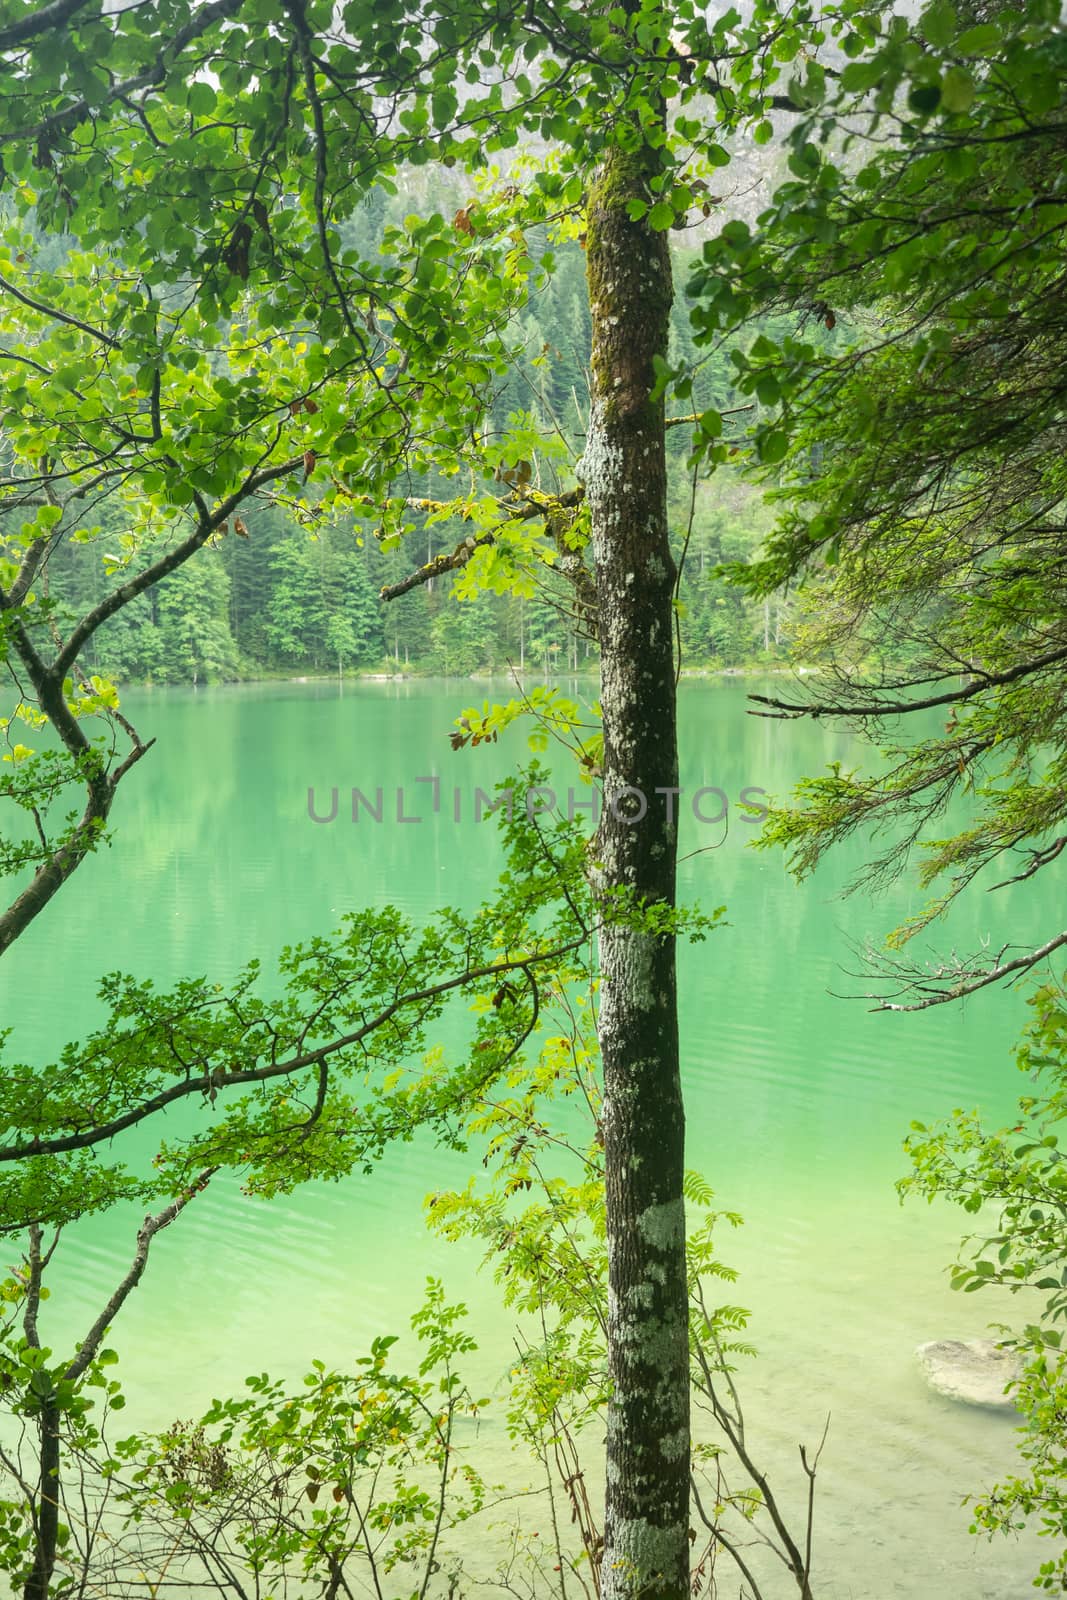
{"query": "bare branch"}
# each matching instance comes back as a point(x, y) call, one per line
point(694, 416)
point(963, 981)
point(981, 682)
point(1039, 858)
point(437, 567)
point(145, 1234)
point(732, 1425)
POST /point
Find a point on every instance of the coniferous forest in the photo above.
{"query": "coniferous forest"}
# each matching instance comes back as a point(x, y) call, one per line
point(296, 595)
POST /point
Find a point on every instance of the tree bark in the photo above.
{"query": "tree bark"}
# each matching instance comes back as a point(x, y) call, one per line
point(46, 1531)
point(38, 1584)
point(646, 1533)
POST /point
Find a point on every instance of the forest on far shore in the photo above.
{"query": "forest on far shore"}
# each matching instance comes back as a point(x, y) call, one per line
point(284, 597)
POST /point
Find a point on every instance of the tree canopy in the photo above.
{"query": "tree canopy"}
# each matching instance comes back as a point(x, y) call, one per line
point(921, 458)
point(194, 313)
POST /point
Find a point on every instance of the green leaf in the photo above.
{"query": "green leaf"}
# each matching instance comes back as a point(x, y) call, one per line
point(773, 447)
point(957, 90)
point(444, 102)
point(925, 97)
point(859, 76)
point(979, 40)
point(201, 98)
point(938, 24)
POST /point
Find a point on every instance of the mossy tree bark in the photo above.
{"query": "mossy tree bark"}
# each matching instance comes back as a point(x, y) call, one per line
point(647, 1510)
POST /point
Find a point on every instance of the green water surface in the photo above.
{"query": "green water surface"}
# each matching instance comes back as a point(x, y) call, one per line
point(797, 1100)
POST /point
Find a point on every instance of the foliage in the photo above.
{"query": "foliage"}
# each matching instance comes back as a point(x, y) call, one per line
point(359, 1473)
point(246, 278)
point(314, 1075)
point(361, 1476)
point(355, 1477)
point(920, 452)
point(283, 593)
point(1020, 1174)
point(218, 331)
point(32, 1380)
point(915, 457)
point(556, 716)
point(322, 606)
point(1019, 1170)
point(539, 1213)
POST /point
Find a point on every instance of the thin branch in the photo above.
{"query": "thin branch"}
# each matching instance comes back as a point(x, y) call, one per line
point(541, 506)
point(733, 1427)
point(981, 682)
point(995, 974)
point(733, 1550)
point(1039, 858)
point(207, 1083)
point(36, 22)
point(145, 1234)
point(694, 416)
point(58, 316)
point(207, 525)
point(297, 12)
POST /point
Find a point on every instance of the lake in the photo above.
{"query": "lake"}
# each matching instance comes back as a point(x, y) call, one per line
point(798, 1100)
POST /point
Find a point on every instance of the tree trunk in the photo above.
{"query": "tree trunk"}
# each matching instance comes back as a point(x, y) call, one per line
point(39, 1582)
point(646, 1532)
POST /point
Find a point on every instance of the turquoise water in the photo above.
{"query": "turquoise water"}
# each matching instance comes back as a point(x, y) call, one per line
point(797, 1100)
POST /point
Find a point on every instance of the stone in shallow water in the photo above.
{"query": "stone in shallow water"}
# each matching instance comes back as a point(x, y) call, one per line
point(976, 1371)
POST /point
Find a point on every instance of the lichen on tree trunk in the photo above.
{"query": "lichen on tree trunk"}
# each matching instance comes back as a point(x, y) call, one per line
point(646, 1550)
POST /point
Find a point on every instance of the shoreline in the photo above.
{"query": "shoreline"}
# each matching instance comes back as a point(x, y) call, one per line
point(488, 676)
